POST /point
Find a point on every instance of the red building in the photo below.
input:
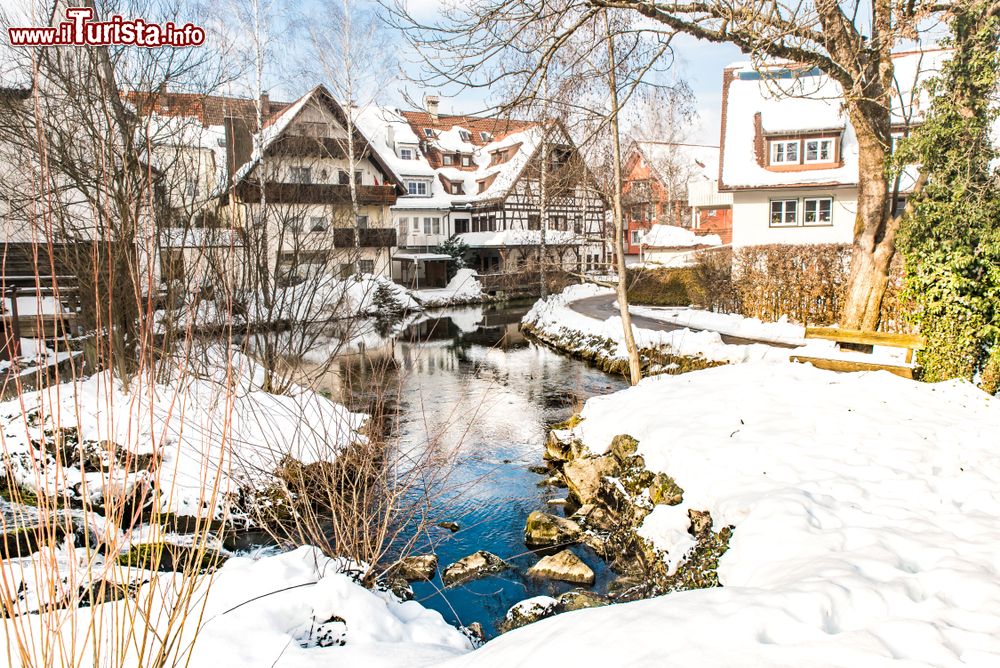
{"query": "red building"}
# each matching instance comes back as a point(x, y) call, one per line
point(669, 183)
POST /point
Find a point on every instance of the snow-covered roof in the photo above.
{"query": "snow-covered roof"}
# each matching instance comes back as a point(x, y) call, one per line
point(671, 236)
point(519, 238)
point(784, 99)
point(387, 129)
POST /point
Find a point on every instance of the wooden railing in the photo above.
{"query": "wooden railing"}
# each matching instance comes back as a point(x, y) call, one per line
point(315, 193)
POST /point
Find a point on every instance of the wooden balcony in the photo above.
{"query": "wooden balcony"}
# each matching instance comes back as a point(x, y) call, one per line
point(375, 237)
point(315, 193)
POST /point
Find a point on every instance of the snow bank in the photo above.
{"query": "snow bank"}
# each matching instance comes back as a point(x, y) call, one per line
point(213, 430)
point(867, 522)
point(295, 609)
point(318, 299)
point(555, 320)
point(671, 236)
point(464, 288)
point(377, 629)
point(781, 331)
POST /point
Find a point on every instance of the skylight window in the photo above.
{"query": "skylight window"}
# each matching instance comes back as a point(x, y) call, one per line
point(485, 136)
point(464, 134)
point(428, 133)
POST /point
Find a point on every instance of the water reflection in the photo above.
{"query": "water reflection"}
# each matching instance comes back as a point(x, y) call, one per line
point(467, 381)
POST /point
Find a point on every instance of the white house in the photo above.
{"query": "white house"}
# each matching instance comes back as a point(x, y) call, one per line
point(479, 178)
point(790, 154)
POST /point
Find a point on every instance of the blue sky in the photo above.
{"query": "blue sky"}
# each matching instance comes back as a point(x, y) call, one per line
point(699, 62)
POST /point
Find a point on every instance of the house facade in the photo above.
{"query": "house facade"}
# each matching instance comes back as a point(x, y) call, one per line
point(674, 184)
point(480, 179)
point(789, 155)
point(286, 195)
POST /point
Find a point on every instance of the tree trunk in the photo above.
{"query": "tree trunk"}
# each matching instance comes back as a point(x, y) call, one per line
point(634, 366)
point(874, 236)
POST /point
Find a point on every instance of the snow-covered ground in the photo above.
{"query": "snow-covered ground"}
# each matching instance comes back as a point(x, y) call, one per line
point(866, 514)
point(557, 320)
point(211, 433)
point(464, 288)
point(781, 331)
point(295, 609)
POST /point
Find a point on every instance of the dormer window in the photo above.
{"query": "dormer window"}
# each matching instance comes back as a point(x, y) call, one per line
point(464, 134)
point(819, 150)
point(499, 157)
point(418, 188)
point(456, 188)
point(483, 185)
point(466, 161)
point(448, 160)
point(785, 152)
point(406, 154)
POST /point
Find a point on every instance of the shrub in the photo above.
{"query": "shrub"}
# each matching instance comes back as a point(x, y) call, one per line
point(662, 287)
point(803, 282)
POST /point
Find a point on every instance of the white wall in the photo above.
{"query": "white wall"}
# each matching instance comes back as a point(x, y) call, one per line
point(751, 217)
point(411, 238)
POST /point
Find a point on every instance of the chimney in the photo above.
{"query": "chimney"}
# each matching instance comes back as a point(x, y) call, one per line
point(431, 104)
point(265, 105)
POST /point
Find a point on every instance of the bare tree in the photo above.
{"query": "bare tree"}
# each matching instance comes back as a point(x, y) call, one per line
point(852, 41)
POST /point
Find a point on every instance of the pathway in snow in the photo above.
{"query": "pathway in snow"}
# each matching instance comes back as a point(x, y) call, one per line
point(601, 307)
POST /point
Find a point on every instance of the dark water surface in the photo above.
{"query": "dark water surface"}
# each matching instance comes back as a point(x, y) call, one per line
point(469, 382)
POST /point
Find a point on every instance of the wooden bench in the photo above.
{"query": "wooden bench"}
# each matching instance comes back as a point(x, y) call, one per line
point(863, 342)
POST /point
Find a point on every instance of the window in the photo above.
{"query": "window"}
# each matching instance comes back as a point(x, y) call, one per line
point(416, 187)
point(461, 225)
point(485, 136)
point(784, 212)
point(191, 188)
point(578, 225)
point(534, 221)
point(362, 222)
point(785, 152)
point(406, 154)
point(357, 177)
point(819, 150)
point(295, 224)
point(482, 186)
point(427, 225)
point(299, 175)
point(448, 159)
point(464, 134)
point(817, 211)
point(437, 225)
point(366, 266)
point(466, 161)
point(318, 224)
point(403, 224)
point(342, 178)
point(428, 133)
point(416, 223)
point(635, 237)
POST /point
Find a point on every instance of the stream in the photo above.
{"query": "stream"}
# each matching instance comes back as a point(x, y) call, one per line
point(468, 381)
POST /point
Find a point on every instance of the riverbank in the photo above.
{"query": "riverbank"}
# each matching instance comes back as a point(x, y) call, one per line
point(864, 514)
point(601, 341)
